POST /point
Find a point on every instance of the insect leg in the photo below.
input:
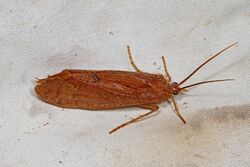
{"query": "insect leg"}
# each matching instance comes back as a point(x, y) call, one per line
point(153, 108)
point(132, 61)
point(165, 68)
point(177, 111)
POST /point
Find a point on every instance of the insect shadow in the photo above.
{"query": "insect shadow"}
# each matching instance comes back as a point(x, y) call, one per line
point(222, 115)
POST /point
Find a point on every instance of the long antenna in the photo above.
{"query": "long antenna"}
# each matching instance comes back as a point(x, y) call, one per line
point(184, 80)
point(204, 82)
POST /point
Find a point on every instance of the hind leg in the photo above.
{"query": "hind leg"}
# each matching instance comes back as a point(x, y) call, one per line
point(132, 61)
point(153, 109)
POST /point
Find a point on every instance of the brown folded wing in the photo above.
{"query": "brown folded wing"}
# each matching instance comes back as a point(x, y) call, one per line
point(102, 89)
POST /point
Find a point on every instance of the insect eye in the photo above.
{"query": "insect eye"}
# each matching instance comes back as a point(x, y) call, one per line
point(175, 92)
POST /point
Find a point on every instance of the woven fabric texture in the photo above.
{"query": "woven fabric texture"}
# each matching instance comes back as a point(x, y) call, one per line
point(43, 37)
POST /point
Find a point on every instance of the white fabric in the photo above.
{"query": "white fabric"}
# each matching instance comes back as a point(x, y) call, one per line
point(42, 37)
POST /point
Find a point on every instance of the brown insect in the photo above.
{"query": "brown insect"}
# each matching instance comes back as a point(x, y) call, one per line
point(99, 90)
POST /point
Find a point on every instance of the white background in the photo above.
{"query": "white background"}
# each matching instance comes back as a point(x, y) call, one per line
point(42, 37)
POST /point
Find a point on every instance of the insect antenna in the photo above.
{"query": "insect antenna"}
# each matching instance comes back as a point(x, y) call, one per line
point(184, 80)
point(204, 82)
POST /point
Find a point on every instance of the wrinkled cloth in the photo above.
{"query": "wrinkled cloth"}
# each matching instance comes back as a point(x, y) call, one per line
point(40, 38)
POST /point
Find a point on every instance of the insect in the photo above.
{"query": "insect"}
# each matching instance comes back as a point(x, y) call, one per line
point(107, 89)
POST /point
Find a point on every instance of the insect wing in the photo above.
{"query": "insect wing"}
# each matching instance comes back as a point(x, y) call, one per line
point(100, 89)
